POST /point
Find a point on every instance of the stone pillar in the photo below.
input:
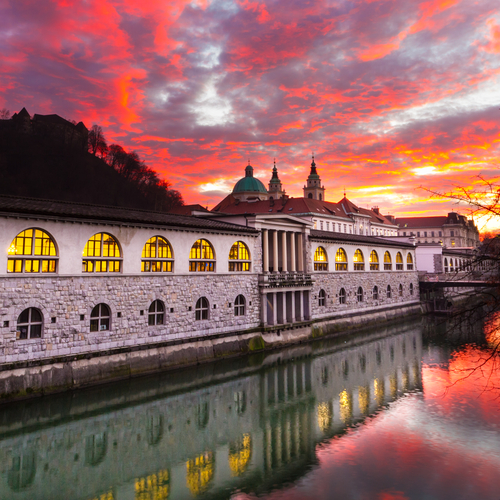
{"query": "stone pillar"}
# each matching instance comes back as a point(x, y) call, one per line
point(301, 305)
point(293, 307)
point(264, 309)
point(300, 251)
point(292, 252)
point(275, 250)
point(284, 307)
point(275, 309)
point(265, 246)
point(283, 251)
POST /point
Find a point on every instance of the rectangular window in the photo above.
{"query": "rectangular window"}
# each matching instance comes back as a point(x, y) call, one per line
point(432, 234)
point(452, 233)
point(321, 225)
point(418, 234)
point(425, 234)
point(404, 233)
point(440, 233)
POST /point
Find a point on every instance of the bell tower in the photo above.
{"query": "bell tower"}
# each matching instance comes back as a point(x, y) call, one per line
point(314, 190)
point(276, 190)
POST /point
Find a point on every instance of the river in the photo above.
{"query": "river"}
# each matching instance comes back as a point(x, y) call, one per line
point(410, 411)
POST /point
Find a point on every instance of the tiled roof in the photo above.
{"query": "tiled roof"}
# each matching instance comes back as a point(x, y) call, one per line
point(410, 222)
point(357, 238)
point(38, 207)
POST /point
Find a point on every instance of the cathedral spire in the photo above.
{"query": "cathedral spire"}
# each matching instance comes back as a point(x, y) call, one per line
point(314, 190)
point(275, 187)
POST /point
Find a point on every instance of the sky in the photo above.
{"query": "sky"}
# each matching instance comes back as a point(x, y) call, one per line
point(393, 96)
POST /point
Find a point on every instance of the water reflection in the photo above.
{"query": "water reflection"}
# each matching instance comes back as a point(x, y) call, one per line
point(251, 426)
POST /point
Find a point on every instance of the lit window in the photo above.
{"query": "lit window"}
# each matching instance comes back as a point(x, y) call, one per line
point(239, 257)
point(387, 261)
point(359, 261)
point(340, 260)
point(99, 318)
point(321, 298)
point(373, 261)
point(409, 262)
point(29, 324)
point(400, 290)
point(202, 256)
point(320, 260)
point(28, 249)
point(104, 252)
point(359, 294)
point(342, 296)
point(389, 291)
point(201, 309)
point(399, 262)
point(156, 314)
point(375, 293)
point(157, 256)
point(451, 265)
point(239, 306)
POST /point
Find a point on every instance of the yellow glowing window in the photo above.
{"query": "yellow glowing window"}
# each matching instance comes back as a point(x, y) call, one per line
point(359, 261)
point(202, 257)
point(387, 261)
point(373, 261)
point(399, 262)
point(409, 262)
point(104, 253)
point(239, 252)
point(240, 453)
point(340, 260)
point(157, 256)
point(200, 471)
point(28, 244)
point(154, 486)
point(320, 260)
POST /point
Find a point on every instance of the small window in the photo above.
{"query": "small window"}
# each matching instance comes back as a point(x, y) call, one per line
point(322, 298)
point(342, 296)
point(29, 324)
point(399, 262)
point(359, 261)
point(359, 294)
point(445, 265)
point(100, 318)
point(320, 260)
point(32, 251)
point(239, 306)
point(373, 261)
point(375, 293)
point(156, 314)
point(202, 257)
point(387, 261)
point(239, 257)
point(157, 256)
point(411, 288)
point(389, 291)
point(202, 309)
point(101, 255)
point(400, 290)
point(340, 260)
point(409, 262)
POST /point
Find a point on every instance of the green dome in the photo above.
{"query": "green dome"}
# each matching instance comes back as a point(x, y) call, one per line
point(249, 183)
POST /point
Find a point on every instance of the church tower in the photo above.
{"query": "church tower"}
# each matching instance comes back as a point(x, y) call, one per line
point(276, 190)
point(314, 189)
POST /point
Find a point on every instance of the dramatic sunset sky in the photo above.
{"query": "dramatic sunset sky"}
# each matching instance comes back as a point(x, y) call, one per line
point(390, 95)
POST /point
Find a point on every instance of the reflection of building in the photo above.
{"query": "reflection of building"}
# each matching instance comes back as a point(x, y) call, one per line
point(245, 427)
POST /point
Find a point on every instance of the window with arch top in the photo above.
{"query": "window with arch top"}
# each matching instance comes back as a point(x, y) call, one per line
point(400, 290)
point(202, 309)
point(239, 306)
point(399, 262)
point(157, 256)
point(374, 261)
point(101, 255)
point(359, 294)
point(320, 260)
point(409, 262)
point(340, 260)
point(100, 318)
point(32, 251)
point(387, 261)
point(321, 298)
point(342, 296)
point(29, 324)
point(239, 257)
point(359, 261)
point(389, 291)
point(156, 313)
point(202, 257)
point(375, 292)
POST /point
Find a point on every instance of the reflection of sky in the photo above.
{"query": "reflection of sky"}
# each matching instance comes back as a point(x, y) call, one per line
point(404, 92)
point(442, 444)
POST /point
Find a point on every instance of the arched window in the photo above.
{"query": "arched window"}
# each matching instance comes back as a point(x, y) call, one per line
point(340, 260)
point(373, 261)
point(104, 254)
point(156, 313)
point(157, 256)
point(32, 251)
point(399, 262)
point(201, 257)
point(359, 294)
point(201, 309)
point(400, 289)
point(239, 257)
point(22, 470)
point(29, 324)
point(387, 261)
point(389, 291)
point(409, 262)
point(321, 298)
point(451, 265)
point(445, 265)
point(411, 288)
point(375, 292)
point(100, 318)
point(342, 296)
point(239, 306)
point(310, 195)
point(359, 261)
point(320, 260)
point(95, 448)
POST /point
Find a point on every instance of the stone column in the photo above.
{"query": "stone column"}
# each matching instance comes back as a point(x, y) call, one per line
point(284, 307)
point(265, 246)
point(275, 309)
point(300, 251)
point(301, 306)
point(275, 250)
point(293, 306)
point(283, 251)
point(292, 252)
point(264, 309)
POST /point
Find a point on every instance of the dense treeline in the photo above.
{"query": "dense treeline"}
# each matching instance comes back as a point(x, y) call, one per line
point(45, 167)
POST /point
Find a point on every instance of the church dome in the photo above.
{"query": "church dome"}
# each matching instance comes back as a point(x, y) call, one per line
point(249, 184)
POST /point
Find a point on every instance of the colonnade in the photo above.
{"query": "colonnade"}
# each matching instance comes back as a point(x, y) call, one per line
point(281, 307)
point(283, 251)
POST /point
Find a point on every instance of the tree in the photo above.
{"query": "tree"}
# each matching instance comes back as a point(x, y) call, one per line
point(4, 114)
point(97, 142)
